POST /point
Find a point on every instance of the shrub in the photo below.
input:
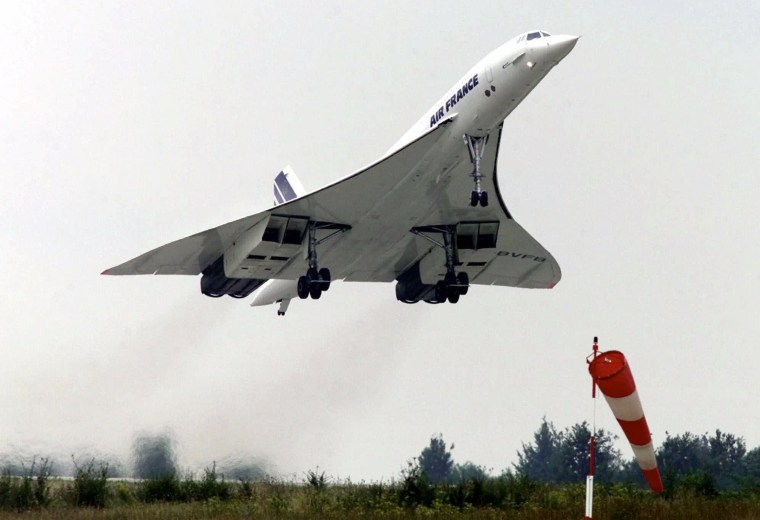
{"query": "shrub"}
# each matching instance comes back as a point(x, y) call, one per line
point(90, 485)
point(211, 486)
point(699, 483)
point(29, 490)
point(278, 497)
point(415, 489)
point(316, 481)
point(123, 492)
point(246, 489)
point(163, 488)
point(317, 485)
point(518, 489)
point(42, 483)
point(23, 497)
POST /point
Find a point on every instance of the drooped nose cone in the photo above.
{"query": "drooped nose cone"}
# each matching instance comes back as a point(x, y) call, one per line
point(561, 45)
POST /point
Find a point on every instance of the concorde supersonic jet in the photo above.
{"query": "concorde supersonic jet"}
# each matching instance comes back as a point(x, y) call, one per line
point(428, 215)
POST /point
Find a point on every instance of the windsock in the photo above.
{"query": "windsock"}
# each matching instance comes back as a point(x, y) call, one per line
point(613, 376)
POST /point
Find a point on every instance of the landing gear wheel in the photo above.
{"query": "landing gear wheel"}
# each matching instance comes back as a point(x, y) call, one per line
point(453, 295)
point(464, 283)
point(315, 291)
point(440, 291)
point(303, 287)
point(481, 198)
point(324, 277)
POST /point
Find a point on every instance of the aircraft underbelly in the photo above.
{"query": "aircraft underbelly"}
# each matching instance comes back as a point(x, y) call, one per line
point(435, 193)
point(431, 191)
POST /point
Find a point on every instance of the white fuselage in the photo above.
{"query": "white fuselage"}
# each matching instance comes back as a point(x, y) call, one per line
point(476, 105)
point(509, 73)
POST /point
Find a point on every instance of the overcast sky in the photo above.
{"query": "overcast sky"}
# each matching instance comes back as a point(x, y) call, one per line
point(124, 126)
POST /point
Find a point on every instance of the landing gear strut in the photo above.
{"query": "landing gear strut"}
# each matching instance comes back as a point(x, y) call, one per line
point(453, 284)
point(316, 281)
point(476, 146)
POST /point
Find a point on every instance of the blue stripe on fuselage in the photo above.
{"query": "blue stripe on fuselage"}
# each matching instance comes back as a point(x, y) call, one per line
point(281, 181)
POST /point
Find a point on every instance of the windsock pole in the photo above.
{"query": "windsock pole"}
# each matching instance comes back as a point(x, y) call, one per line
point(591, 447)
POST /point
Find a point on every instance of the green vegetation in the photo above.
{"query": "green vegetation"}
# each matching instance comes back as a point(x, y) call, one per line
point(90, 485)
point(506, 496)
point(29, 490)
point(707, 465)
point(705, 477)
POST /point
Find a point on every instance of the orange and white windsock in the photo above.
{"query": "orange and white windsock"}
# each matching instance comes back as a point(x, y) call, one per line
point(613, 376)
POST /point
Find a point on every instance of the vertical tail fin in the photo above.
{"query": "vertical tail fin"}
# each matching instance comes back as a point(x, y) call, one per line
point(287, 186)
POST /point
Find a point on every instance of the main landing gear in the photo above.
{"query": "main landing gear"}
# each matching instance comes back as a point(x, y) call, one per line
point(316, 280)
point(314, 283)
point(476, 146)
point(453, 284)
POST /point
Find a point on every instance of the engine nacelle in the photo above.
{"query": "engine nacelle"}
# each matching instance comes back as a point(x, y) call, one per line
point(214, 282)
point(411, 289)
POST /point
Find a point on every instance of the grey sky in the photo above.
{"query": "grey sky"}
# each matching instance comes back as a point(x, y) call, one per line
point(124, 126)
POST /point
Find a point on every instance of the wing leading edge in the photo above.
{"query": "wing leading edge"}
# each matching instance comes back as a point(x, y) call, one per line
point(343, 201)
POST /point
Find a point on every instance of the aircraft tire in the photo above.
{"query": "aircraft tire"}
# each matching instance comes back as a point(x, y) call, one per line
point(453, 295)
point(464, 281)
point(315, 291)
point(324, 276)
point(303, 287)
point(474, 198)
point(440, 291)
point(484, 199)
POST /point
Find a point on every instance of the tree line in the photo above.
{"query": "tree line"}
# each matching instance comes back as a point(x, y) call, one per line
point(547, 478)
point(707, 463)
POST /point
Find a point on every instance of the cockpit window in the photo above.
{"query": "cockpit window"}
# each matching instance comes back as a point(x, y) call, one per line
point(532, 36)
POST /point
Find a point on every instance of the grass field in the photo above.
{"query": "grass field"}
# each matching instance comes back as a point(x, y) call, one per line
point(317, 498)
point(235, 509)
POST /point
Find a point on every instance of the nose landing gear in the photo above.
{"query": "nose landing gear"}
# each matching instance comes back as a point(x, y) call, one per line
point(476, 146)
